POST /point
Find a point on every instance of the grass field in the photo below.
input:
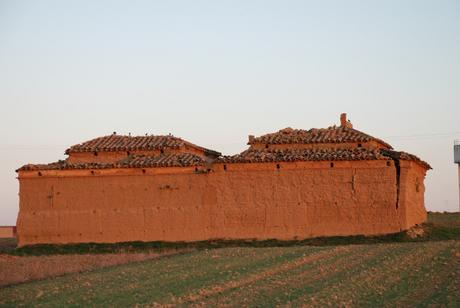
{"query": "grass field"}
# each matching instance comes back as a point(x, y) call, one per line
point(422, 273)
point(379, 274)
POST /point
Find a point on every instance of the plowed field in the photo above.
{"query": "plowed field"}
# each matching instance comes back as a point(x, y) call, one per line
point(394, 274)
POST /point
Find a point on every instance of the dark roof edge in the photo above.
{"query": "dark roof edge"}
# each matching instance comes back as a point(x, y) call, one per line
point(401, 155)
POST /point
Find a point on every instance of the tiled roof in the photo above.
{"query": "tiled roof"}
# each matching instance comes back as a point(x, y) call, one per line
point(132, 161)
point(248, 156)
point(333, 134)
point(405, 156)
point(288, 155)
point(64, 164)
point(130, 143)
point(165, 160)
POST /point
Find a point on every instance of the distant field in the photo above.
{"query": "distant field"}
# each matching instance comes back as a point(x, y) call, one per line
point(396, 274)
point(444, 219)
point(395, 270)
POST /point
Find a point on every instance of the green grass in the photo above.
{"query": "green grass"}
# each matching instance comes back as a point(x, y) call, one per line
point(388, 274)
point(445, 219)
point(7, 245)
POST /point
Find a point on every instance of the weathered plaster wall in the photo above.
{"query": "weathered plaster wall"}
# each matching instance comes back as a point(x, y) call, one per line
point(296, 200)
point(412, 194)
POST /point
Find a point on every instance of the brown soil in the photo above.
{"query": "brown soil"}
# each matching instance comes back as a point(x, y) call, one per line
point(18, 269)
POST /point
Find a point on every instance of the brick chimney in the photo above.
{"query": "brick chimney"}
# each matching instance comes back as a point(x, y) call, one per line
point(344, 122)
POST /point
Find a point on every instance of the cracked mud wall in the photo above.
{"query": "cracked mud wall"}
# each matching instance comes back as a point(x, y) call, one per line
point(298, 200)
point(412, 194)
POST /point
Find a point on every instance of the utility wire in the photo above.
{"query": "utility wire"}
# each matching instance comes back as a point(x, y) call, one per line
point(415, 136)
point(427, 135)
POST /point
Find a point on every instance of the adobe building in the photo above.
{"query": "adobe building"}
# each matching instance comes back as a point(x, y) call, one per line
point(7, 231)
point(291, 184)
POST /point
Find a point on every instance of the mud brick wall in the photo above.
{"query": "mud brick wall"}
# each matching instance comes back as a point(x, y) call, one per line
point(7, 231)
point(290, 200)
point(412, 194)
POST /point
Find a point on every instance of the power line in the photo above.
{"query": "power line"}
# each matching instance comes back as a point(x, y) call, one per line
point(49, 147)
point(450, 134)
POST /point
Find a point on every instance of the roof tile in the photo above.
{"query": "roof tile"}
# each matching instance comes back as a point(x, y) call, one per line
point(130, 143)
point(278, 155)
point(289, 155)
point(333, 134)
point(132, 161)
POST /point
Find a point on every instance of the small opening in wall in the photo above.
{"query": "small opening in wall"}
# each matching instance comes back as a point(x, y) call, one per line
point(360, 145)
point(39, 173)
point(266, 146)
point(143, 171)
point(278, 166)
point(95, 153)
point(92, 172)
point(225, 167)
point(128, 153)
point(162, 151)
point(196, 169)
point(388, 163)
point(332, 165)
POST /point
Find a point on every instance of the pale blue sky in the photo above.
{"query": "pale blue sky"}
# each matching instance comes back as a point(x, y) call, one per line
point(215, 71)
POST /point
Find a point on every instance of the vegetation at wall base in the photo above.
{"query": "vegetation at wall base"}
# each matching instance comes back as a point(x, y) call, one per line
point(420, 267)
point(440, 227)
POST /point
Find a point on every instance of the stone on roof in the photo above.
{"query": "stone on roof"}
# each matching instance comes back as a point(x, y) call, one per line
point(405, 156)
point(333, 134)
point(116, 142)
point(132, 161)
point(164, 160)
point(290, 155)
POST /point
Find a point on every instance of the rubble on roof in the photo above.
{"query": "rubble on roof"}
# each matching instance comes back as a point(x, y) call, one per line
point(333, 134)
point(132, 161)
point(289, 155)
point(115, 142)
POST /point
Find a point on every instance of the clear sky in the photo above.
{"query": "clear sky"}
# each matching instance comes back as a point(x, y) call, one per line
point(213, 72)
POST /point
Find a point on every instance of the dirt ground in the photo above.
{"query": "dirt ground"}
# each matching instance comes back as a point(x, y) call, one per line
point(18, 269)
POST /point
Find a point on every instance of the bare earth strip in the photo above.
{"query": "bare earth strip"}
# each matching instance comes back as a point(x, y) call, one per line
point(19, 269)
